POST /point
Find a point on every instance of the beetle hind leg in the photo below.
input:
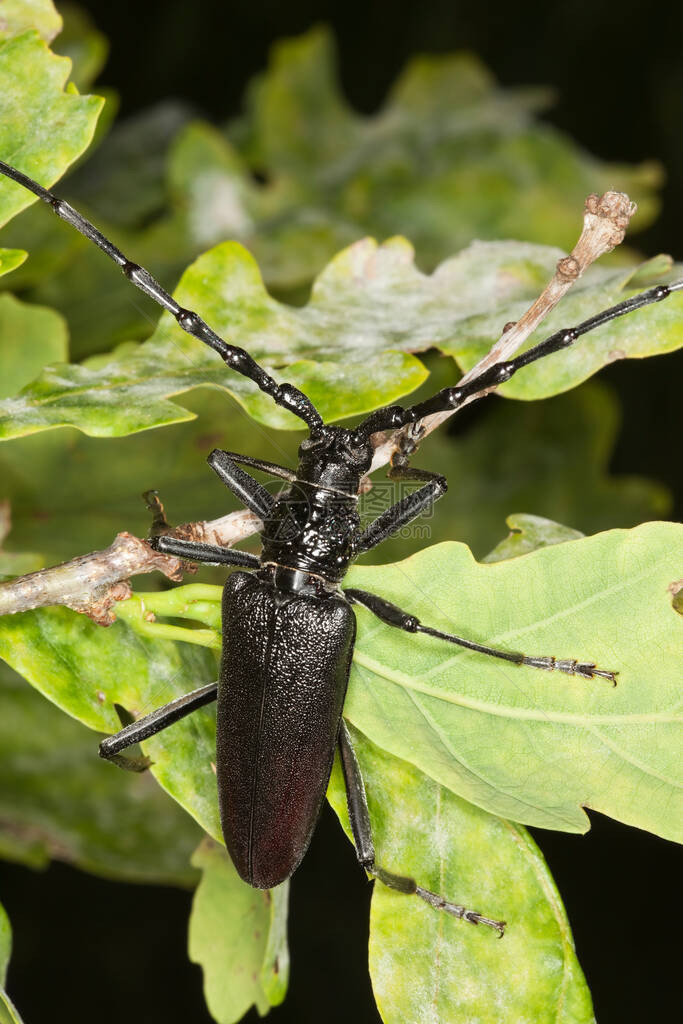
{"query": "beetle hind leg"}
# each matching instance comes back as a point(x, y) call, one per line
point(402, 883)
point(359, 816)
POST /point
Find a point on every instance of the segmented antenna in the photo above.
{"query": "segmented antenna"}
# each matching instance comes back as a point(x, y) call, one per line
point(238, 359)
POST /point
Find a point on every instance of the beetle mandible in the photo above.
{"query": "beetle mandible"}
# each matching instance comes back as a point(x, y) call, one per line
point(287, 652)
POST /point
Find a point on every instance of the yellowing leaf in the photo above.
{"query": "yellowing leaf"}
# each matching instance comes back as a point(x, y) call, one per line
point(17, 16)
point(239, 936)
point(427, 966)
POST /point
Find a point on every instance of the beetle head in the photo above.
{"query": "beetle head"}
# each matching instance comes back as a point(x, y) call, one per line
point(332, 457)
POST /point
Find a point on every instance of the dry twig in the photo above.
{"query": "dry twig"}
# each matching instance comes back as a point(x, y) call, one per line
point(605, 221)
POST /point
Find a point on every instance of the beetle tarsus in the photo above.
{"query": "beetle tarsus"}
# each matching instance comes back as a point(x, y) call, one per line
point(409, 887)
point(463, 913)
point(129, 764)
point(570, 667)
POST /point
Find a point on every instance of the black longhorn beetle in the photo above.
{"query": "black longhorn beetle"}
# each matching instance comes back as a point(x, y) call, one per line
point(289, 627)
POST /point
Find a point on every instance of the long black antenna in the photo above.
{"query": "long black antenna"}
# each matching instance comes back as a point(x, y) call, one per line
point(450, 399)
point(285, 395)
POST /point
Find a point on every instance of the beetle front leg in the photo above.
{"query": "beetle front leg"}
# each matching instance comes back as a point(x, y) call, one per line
point(359, 816)
point(404, 511)
point(198, 551)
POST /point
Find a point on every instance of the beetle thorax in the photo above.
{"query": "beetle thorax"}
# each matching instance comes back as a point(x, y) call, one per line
point(314, 525)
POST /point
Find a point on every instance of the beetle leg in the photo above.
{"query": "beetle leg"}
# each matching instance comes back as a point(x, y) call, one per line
point(405, 510)
point(151, 724)
point(272, 468)
point(359, 816)
point(249, 491)
point(394, 616)
point(198, 551)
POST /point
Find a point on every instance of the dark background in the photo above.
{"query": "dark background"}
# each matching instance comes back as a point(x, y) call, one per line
point(618, 74)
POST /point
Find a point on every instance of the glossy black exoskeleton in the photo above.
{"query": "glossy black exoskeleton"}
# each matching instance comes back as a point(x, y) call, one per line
point(289, 626)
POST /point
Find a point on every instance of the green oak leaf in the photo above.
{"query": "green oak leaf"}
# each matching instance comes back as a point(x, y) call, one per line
point(283, 224)
point(550, 457)
point(16, 16)
point(128, 390)
point(449, 157)
point(8, 1012)
point(239, 937)
point(289, 233)
point(527, 533)
point(30, 337)
point(350, 348)
point(210, 179)
point(630, 337)
point(297, 119)
point(86, 670)
point(519, 742)
point(32, 96)
point(427, 966)
point(59, 799)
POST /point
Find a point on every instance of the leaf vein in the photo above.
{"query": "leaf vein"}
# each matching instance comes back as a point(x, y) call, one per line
point(505, 711)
